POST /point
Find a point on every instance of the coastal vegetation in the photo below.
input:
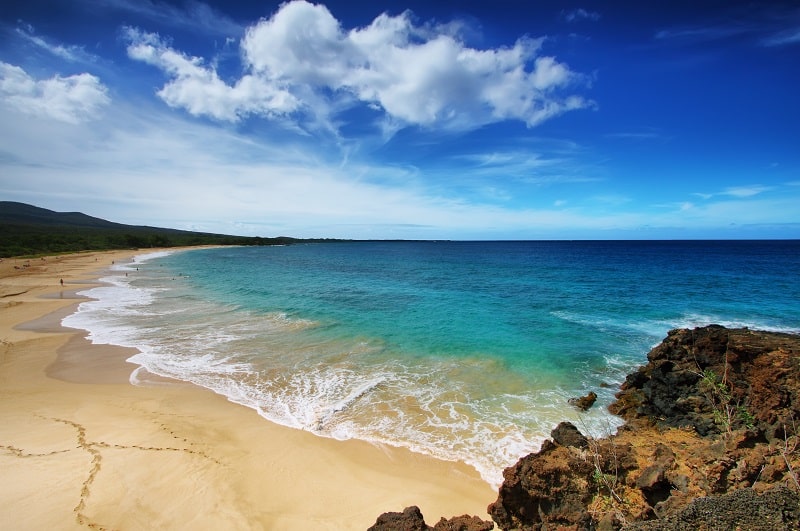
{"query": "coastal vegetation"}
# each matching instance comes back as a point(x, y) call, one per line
point(27, 230)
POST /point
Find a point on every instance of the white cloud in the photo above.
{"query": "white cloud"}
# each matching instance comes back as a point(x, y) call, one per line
point(302, 43)
point(197, 88)
point(701, 33)
point(69, 99)
point(414, 75)
point(773, 27)
point(644, 134)
point(69, 53)
point(783, 38)
point(746, 191)
point(579, 14)
point(194, 15)
point(737, 191)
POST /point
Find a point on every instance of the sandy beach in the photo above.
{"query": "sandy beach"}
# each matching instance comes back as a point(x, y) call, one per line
point(82, 447)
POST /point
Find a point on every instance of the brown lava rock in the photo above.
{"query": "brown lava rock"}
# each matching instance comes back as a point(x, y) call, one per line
point(711, 441)
point(713, 412)
point(584, 402)
point(411, 519)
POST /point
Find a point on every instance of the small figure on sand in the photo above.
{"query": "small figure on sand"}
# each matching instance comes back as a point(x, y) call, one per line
point(62, 281)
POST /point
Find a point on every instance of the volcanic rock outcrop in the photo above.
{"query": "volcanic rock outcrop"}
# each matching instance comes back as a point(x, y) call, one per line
point(714, 411)
point(711, 441)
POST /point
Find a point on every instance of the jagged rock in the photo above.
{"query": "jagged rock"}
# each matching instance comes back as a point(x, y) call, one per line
point(675, 446)
point(566, 434)
point(463, 523)
point(584, 402)
point(758, 369)
point(409, 520)
point(654, 481)
point(548, 487)
point(555, 486)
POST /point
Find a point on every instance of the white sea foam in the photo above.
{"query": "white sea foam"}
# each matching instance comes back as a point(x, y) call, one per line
point(659, 327)
point(146, 257)
point(695, 320)
point(383, 404)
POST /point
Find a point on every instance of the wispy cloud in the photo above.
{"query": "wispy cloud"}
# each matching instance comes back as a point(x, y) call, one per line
point(783, 38)
point(523, 166)
point(524, 171)
point(70, 53)
point(142, 161)
point(155, 167)
point(147, 165)
point(611, 199)
point(406, 74)
point(71, 99)
point(696, 34)
point(736, 191)
point(746, 191)
point(769, 26)
point(504, 159)
point(193, 15)
point(579, 14)
point(644, 134)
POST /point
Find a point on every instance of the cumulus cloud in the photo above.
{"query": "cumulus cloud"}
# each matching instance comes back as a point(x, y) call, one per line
point(71, 99)
point(198, 88)
point(302, 59)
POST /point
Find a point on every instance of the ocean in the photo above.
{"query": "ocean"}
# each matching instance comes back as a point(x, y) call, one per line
point(466, 351)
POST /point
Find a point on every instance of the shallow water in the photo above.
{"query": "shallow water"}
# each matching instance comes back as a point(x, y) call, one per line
point(463, 350)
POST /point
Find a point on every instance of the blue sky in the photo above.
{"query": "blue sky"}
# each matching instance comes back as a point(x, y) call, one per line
point(462, 120)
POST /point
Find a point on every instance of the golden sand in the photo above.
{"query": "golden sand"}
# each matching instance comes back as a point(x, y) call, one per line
point(82, 447)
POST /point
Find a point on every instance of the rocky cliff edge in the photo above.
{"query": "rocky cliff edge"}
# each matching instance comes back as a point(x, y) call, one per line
point(711, 441)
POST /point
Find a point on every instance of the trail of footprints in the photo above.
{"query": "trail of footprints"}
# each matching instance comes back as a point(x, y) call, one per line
point(18, 452)
point(94, 449)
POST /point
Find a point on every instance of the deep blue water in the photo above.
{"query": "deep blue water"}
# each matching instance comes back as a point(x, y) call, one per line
point(463, 350)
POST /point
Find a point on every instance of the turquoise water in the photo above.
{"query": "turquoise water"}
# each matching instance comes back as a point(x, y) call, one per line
point(466, 351)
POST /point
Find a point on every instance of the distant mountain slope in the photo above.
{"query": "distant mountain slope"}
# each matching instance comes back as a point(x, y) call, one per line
point(27, 229)
point(15, 213)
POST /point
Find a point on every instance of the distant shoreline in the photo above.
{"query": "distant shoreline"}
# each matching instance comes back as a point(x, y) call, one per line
point(32, 231)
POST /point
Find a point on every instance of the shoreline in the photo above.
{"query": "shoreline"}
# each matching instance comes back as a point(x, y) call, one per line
point(80, 445)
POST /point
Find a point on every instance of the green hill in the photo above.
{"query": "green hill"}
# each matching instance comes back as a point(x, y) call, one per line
point(27, 229)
